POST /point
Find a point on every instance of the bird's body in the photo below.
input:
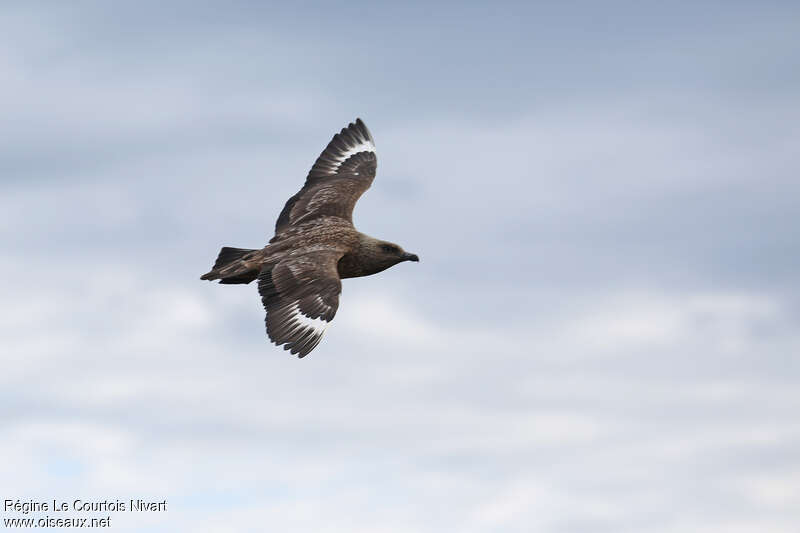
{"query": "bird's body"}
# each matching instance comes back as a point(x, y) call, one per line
point(315, 246)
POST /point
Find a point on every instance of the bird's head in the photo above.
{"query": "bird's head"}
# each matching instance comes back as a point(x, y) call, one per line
point(380, 255)
point(395, 254)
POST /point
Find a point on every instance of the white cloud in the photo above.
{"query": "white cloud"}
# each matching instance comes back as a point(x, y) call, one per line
point(601, 334)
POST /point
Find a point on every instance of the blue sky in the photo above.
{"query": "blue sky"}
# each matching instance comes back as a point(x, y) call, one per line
point(601, 335)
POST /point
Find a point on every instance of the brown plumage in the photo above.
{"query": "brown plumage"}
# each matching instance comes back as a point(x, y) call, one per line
point(315, 246)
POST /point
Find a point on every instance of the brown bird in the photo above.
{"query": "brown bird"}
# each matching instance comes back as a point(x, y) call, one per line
point(315, 246)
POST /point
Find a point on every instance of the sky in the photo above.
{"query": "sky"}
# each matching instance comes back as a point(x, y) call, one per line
point(603, 331)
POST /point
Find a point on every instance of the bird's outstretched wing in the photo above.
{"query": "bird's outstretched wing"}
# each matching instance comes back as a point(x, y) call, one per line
point(301, 295)
point(341, 174)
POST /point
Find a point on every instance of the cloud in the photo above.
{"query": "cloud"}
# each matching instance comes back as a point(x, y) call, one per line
point(600, 336)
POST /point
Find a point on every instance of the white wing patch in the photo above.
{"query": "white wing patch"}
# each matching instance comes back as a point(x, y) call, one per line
point(299, 321)
point(341, 157)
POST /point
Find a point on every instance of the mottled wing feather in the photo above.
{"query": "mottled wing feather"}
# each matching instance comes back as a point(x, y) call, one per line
point(301, 295)
point(341, 174)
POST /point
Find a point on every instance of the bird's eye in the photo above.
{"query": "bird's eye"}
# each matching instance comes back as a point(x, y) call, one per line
point(388, 248)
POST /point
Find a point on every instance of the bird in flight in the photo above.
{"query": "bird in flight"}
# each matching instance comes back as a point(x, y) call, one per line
point(315, 246)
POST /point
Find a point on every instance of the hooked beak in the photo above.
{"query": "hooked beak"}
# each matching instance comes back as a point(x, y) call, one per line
point(411, 257)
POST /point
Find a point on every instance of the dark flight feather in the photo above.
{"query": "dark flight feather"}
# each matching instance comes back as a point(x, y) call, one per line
point(301, 296)
point(340, 175)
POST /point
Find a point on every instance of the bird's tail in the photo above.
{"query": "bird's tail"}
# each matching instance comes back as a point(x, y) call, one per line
point(234, 265)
